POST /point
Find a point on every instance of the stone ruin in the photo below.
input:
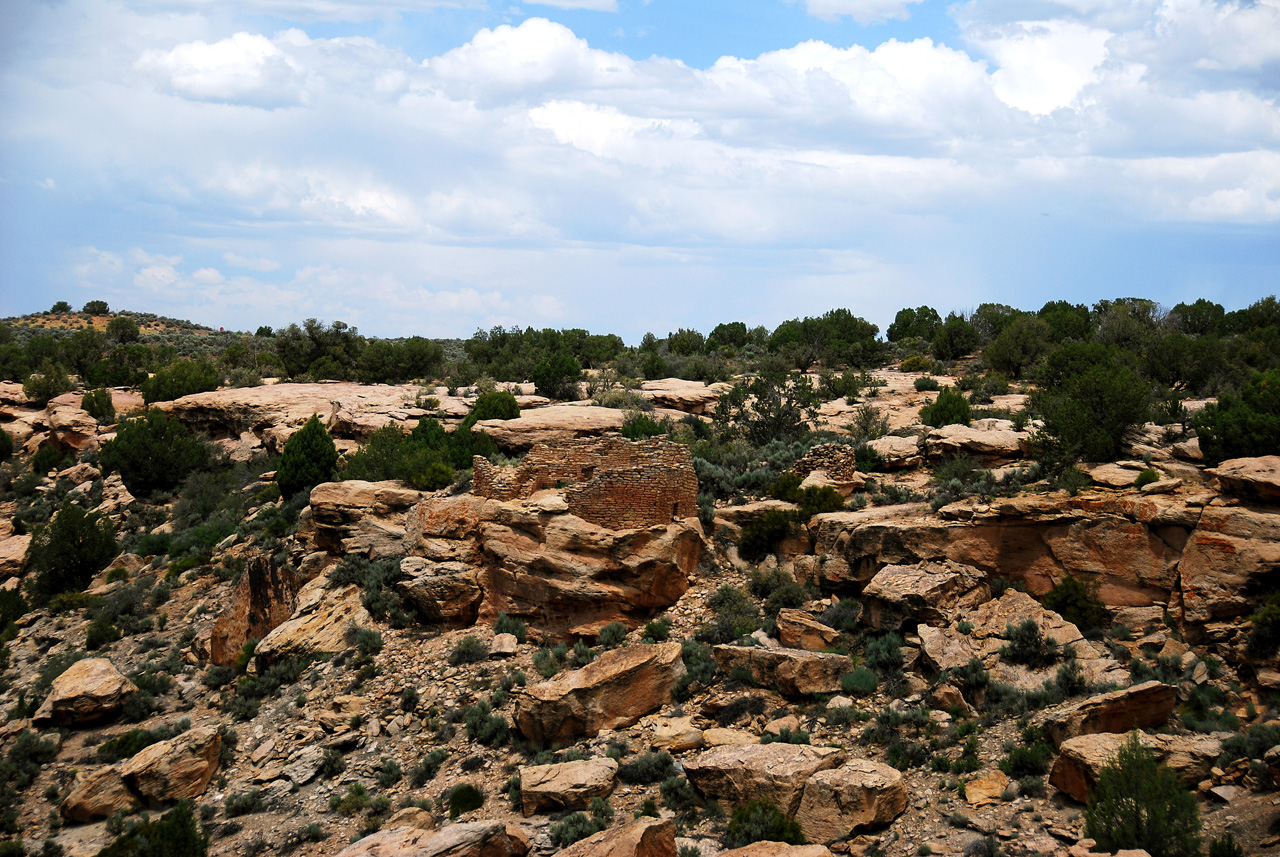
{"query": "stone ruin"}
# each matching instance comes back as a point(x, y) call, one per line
point(609, 481)
point(840, 462)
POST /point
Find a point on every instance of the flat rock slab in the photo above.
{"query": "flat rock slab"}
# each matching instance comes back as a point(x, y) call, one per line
point(88, 690)
point(772, 772)
point(645, 837)
point(792, 672)
point(798, 630)
point(1250, 477)
point(319, 623)
point(479, 839)
point(1142, 706)
point(777, 849)
point(568, 785)
point(859, 795)
point(612, 692)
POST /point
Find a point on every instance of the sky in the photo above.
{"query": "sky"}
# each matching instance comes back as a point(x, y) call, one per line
point(432, 167)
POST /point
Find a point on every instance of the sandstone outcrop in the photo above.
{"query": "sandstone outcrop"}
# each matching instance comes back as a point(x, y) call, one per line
point(355, 517)
point(644, 837)
point(89, 690)
point(100, 794)
point(264, 598)
point(1254, 478)
point(948, 648)
point(798, 630)
point(932, 593)
point(897, 453)
point(777, 849)
point(180, 767)
point(477, 839)
point(772, 772)
point(792, 672)
point(690, 397)
point(859, 795)
point(552, 424)
point(567, 785)
point(676, 734)
point(612, 692)
point(320, 623)
point(1081, 759)
point(989, 445)
point(1142, 706)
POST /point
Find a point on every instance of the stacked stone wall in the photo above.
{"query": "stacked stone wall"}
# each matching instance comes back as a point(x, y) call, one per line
point(609, 481)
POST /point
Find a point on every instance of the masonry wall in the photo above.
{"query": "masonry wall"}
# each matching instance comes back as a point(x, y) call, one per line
point(609, 481)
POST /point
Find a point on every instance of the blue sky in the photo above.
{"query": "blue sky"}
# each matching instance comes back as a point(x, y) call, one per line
point(412, 166)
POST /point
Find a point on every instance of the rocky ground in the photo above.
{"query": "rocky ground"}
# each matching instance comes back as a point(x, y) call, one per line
point(348, 737)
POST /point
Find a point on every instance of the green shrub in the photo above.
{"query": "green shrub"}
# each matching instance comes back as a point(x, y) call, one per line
point(678, 794)
point(1138, 803)
point(66, 553)
point(100, 633)
point(1087, 395)
point(390, 454)
point(1243, 426)
point(638, 425)
point(48, 458)
point(843, 615)
point(243, 803)
point(388, 773)
point(557, 377)
point(377, 580)
point(1146, 477)
point(6, 445)
point(1225, 846)
point(498, 405)
point(174, 834)
point(1028, 645)
point(860, 682)
point(785, 736)
point(470, 650)
point(926, 384)
point(331, 764)
point(658, 630)
point(612, 635)
point(649, 768)
point(699, 669)
point(955, 338)
point(950, 407)
point(180, 378)
point(153, 452)
point(506, 625)
point(760, 821)
point(759, 536)
point(1026, 760)
point(50, 382)
point(734, 615)
point(1252, 744)
point(135, 740)
point(425, 771)
point(1264, 637)
point(1078, 603)
point(484, 726)
point(916, 363)
point(98, 404)
point(308, 459)
point(573, 828)
point(463, 797)
point(884, 654)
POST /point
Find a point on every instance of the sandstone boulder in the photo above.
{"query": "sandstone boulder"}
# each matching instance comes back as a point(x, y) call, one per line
point(932, 593)
point(447, 593)
point(70, 424)
point(180, 767)
point(1229, 554)
point(991, 446)
point(1081, 759)
point(897, 453)
point(676, 734)
point(772, 772)
point(264, 598)
point(360, 517)
point(798, 630)
point(1142, 706)
point(1256, 478)
point(477, 839)
point(100, 794)
point(792, 672)
point(859, 795)
point(644, 837)
point(552, 423)
point(568, 785)
point(88, 690)
point(320, 623)
point(690, 397)
point(986, 789)
point(777, 849)
point(612, 692)
point(13, 555)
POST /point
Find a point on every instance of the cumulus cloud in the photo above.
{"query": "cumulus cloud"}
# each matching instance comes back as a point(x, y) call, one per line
point(862, 11)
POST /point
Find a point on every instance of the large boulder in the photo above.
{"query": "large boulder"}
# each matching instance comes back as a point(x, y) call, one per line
point(928, 592)
point(320, 623)
point(1142, 706)
point(798, 630)
point(612, 692)
point(860, 794)
point(777, 849)
point(478, 839)
point(71, 424)
point(366, 518)
point(100, 794)
point(991, 446)
point(551, 424)
point(644, 837)
point(1255, 478)
point(897, 452)
point(1230, 554)
point(88, 690)
point(13, 554)
point(180, 767)
point(691, 397)
point(1081, 759)
point(738, 774)
point(792, 672)
point(447, 593)
point(568, 785)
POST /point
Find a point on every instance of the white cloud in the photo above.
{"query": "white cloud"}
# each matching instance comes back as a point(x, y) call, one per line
point(862, 11)
point(1043, 65)
point(252, 263)
point(591, 5)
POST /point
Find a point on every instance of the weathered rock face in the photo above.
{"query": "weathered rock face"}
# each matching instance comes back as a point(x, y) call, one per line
point(986, 789)
point(691, 397)
point(13, 554)
point(990, 445)
point(1081, 759)
point(100, 794)
point(798, 630)
point(860, 794)
point(932, 593)
point(178, 768)
point(478, 839)
point(1254, 478)
point(612, 692)
point(793, 672)
point(89, 690)
point(676, 734)
point(945, 648)
point(568, 785)
point(264, 598)
point(897, 453)
point(1142, 706)
point(71, 425)
point(1228, 560)
point(645, 837)
point(356, 517)
point(448, 593)
point(777, 849)
point(319, 623)
point(552, 424)
point(772, 772)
